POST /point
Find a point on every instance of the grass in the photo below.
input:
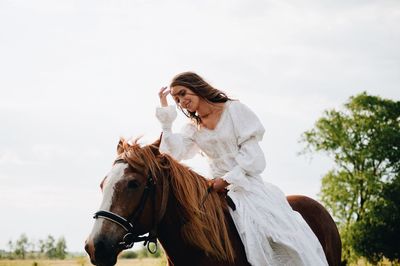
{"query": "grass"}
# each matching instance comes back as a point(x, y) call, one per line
point(82, 262)
point(121, 262)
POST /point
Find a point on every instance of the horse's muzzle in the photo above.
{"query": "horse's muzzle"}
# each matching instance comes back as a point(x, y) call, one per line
point(101, 251)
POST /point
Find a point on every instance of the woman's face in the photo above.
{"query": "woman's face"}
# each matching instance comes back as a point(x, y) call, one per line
point(185, 98)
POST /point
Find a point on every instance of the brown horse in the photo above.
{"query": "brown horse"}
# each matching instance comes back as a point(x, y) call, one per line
point(149, 192)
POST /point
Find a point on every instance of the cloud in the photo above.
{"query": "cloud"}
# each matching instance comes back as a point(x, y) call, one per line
point(8, 157)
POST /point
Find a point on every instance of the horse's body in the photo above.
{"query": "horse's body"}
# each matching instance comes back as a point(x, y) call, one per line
point(313, 213)
point(195, 235)
point(322, 224)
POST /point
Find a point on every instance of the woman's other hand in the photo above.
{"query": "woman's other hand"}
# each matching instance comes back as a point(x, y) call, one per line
point(164, 91)
point(219, 184)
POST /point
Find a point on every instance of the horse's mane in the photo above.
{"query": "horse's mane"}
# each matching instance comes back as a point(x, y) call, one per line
point(204, 226)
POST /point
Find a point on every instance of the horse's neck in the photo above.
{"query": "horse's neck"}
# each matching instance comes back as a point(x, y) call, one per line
point(181, 253)
point(169, 235)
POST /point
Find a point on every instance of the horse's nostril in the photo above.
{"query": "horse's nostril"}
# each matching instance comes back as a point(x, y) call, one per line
point(100, 246)
point(103, 252)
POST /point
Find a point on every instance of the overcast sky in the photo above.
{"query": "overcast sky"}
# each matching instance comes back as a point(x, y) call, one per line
point(77, 75)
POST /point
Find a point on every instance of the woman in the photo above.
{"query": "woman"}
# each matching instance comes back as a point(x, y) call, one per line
point(228, 133)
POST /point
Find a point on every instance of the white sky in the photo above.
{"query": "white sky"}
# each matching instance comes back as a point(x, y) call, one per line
point(77, 75)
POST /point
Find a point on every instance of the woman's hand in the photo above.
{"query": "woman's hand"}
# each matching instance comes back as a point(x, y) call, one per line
point(163, 96)
point(219, 184)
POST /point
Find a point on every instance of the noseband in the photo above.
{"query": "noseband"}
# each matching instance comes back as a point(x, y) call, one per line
point(131, 237)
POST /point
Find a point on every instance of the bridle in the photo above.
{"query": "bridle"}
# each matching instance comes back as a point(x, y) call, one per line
point(128, 224)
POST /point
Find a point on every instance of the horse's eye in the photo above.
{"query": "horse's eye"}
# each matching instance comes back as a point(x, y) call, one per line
point(133, 184)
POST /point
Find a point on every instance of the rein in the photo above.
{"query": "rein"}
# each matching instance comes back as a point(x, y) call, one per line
point(130, 238)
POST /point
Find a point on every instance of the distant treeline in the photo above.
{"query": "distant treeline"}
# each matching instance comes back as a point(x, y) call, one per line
point(24, 248)
point(50, 248)
point(142, 253)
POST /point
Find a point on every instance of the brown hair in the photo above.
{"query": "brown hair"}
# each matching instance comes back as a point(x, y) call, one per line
point(205, 226)
point(201, 88)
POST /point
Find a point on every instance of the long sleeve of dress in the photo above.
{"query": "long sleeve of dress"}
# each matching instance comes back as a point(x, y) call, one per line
point(181, 145)
point(249, 158)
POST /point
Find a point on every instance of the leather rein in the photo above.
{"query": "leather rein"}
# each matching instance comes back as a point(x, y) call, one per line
point(128, 224)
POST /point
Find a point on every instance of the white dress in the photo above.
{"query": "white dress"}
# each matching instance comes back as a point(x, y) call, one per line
point(271, 232)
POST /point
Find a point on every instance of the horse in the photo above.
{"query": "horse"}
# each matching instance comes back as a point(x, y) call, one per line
point(147, 192)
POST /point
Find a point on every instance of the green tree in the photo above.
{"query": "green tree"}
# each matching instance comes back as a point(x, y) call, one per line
point(61, 248)
point(377, 234)
point(21, 246)
point(49, 247)
point(10, 245)
point(32, 251)
point(42, 247)
point(364, 142)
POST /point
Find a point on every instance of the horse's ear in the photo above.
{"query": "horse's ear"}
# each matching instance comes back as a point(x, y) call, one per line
point(120, 147)
point(156, 145)
point(158, 141)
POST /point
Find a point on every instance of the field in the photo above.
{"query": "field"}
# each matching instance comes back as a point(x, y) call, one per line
point(81, 262)
point(121, 262)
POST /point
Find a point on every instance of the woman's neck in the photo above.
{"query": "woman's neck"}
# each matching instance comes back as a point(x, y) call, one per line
point(206, 109)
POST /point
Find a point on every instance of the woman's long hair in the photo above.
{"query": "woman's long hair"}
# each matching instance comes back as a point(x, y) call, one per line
point(201, 88)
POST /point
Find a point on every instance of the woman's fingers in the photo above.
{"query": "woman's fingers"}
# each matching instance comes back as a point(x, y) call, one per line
point(163, 92)
point(162, 89)
point(219, 184)
point(163, 96)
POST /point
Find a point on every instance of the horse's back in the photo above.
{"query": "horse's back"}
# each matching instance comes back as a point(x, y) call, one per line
point(322, 224)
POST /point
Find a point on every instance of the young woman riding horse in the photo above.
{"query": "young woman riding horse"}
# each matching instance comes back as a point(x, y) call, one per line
point(150, 192)
point(266, 230)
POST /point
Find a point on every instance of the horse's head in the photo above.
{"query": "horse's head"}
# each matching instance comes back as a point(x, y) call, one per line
point(133, 205)
point(130, 207)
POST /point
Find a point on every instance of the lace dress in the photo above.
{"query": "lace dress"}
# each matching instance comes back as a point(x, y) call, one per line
point(271, 232)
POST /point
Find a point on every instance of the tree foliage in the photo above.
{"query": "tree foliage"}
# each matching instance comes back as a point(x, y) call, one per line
point(21, 246)
point(61, 248)
point(377, 234)
point(364, 142)
point(49, 247)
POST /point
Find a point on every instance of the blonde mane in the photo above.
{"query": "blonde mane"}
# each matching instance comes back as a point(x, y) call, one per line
point(205, 226)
